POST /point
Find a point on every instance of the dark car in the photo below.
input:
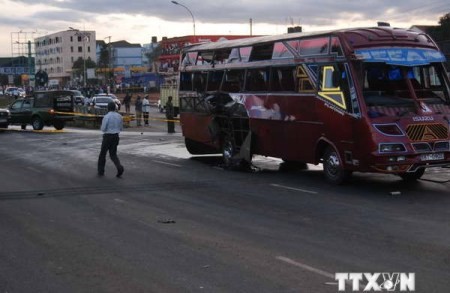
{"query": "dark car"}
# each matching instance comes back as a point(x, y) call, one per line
point(43, 108)
point(4, 118)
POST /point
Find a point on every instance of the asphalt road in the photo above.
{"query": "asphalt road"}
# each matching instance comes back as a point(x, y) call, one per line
point(176, 223)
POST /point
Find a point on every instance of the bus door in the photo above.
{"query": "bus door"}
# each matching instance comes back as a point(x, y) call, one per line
point(338, 109)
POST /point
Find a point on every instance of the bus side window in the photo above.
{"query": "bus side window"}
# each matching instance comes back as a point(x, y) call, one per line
point(233, 81)
point(283, 79)
point(257, 79)
point(186, 81)
point(199, 81)
point(214, 80)
point(332, 81)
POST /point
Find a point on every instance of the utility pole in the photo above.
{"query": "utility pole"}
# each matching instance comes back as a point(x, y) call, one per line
point(109, 59)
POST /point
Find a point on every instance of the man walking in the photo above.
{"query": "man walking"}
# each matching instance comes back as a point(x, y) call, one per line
point(112, 125)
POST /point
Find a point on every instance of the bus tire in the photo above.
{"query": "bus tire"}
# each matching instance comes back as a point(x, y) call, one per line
point(198, 148)
point(37, 123)
point(333, 168)
point(412, 176)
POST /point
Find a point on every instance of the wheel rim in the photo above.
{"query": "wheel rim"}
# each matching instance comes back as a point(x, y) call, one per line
point(36, 123)
point(227, 152)
point(333, 164)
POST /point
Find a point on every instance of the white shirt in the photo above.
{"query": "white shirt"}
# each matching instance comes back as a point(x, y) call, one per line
point(145, 106)
point(112, 123)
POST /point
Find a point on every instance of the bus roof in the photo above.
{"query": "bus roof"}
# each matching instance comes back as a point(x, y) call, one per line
point(354, 37)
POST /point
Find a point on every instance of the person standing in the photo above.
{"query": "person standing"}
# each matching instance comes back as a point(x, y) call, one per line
point(146, 109)
point(138, 110)
point(170, 115)
point(112, 125)
point(127, 102)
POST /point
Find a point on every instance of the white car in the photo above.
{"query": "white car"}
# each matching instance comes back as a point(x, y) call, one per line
point(101, 101)
point(15, 92)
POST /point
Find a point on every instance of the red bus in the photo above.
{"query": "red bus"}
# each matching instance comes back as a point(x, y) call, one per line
point(363, 99)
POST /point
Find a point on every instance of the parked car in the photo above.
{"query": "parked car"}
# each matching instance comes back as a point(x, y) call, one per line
point(100, 101)
point(78, 97)
point(43, 108)
point(15, 92)
point(4, 118)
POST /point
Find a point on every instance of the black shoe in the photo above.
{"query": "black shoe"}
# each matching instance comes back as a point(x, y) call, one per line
point(100, 174)
point(120, 172)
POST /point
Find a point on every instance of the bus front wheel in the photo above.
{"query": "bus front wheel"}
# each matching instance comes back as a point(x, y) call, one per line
point(333, 168)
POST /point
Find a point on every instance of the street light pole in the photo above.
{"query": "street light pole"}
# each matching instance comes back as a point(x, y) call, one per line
point(193, 20)
point(83, 34)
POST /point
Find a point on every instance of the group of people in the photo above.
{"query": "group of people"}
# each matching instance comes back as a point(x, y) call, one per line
point(142, 110)
point(112, 125)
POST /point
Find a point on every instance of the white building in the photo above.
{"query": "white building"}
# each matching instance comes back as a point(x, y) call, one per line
point(56, 53)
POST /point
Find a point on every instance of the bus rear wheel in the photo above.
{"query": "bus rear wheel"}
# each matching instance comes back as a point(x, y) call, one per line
point(333, 168)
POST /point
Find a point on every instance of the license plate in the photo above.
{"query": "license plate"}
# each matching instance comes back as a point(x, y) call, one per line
point(432, 157)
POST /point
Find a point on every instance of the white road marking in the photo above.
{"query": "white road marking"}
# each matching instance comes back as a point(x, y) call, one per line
point(306, 267)
point(119, 200)
point(293, 188)
point(165, 163)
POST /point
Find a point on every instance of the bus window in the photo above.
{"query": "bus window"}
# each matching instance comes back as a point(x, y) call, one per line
point(305, 84)
point(294, 44)
point(333, 85)
point(281, 51)
point(189, 59)
point(245, 53)
point(336, 46)
point(283, 79)
point(262, 52)
point(221, 56)
point(205, 58)
point(186, 81)
point(234, 56)
point(199, 81)
point(317, 46)
point(257, 79)
point(214, 80)
point(233, 81)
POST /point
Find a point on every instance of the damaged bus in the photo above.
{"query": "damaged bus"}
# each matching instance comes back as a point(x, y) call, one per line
point(355, 100)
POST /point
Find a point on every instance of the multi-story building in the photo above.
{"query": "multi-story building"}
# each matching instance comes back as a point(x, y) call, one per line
point(56, 53)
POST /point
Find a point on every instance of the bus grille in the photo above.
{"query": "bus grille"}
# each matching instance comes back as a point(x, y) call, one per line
point(426, 132)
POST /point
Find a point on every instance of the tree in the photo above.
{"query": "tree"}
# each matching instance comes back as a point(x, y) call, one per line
point(79, 66)
point(441, 32)
point(441, 35)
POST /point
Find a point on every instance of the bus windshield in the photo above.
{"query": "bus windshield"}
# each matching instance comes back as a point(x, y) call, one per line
point(393, 90)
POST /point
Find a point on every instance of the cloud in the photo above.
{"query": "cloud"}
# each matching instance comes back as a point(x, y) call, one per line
point(138, 20)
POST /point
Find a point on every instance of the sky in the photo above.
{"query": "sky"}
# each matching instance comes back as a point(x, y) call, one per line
point(136, 21)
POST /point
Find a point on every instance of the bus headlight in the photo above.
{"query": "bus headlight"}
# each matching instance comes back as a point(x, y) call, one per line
point(391, 148)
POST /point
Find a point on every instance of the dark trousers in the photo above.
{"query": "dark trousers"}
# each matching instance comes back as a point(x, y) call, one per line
point(170, 124)
point(138, 118)
point(146, 118)
point(109, 144)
